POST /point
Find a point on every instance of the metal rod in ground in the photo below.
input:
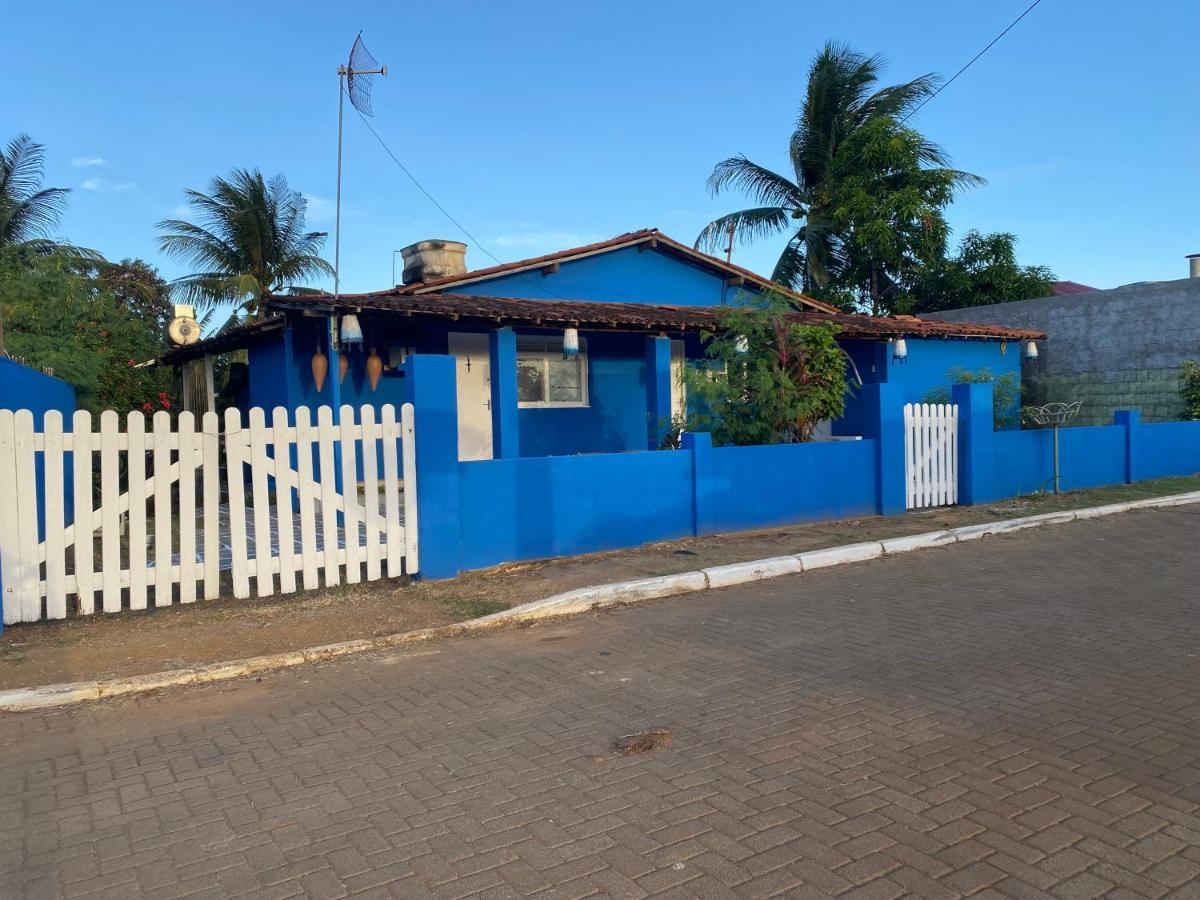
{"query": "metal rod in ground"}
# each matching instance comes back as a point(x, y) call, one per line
point(1057, 477)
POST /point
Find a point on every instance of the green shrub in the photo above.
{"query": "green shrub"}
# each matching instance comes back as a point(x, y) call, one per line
point(1006, 393)
point(1189, 388)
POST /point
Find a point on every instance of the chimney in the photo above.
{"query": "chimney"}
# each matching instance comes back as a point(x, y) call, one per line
point(427, 260)
point(1193, 265)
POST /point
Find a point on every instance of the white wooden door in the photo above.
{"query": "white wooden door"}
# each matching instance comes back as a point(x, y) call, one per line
point(678, 386)
point(474, 371)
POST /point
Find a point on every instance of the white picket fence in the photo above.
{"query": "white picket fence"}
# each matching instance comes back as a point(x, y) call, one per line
point(930, 454)
point(305, 513)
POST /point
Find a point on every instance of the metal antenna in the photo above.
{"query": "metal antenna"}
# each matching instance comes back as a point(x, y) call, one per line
point(359, 72)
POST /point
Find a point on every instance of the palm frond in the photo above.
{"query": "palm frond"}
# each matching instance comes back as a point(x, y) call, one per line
point(748, 225)
point(767, 187)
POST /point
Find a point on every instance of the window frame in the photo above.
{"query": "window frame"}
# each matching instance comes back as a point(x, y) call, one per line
point(545, 351)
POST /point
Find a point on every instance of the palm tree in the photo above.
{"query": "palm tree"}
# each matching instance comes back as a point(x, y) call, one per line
point(250, 242)
point(841, 99)
point(29, 213)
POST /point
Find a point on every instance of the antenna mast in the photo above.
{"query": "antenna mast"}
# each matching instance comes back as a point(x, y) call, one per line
point(359, 73)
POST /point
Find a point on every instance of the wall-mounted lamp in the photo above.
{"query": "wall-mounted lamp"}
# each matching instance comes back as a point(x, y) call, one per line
point(900, 350)
point(570, 343)
point(351, 330)
point(1031, 350)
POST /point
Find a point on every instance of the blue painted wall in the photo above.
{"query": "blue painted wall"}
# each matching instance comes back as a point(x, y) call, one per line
point(1168, 448)
point(512, 509)
point(927, 366)
point(624, 276)
point(24, 388)
point(758, 487)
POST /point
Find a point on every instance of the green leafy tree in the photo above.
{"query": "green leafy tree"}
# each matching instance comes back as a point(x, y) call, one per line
point(249, 240)
point(1006, 393)
point(62, 316)
point(842, 98)
point(985, 271)
point(766, 379)
point(888, 211)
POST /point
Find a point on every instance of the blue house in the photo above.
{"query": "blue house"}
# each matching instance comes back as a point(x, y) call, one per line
point(635, 305)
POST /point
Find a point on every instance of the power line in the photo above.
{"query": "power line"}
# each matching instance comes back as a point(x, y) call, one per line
point(972, 61)
point(457, 224)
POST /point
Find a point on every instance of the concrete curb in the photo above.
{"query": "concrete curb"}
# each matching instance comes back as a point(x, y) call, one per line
point(565, 604)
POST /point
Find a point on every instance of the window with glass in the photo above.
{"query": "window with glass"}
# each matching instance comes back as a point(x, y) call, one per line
point(545, 379)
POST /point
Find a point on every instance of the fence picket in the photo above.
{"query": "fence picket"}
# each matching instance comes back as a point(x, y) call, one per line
point(283, 502)
point(350, 508)
point(135, 430)
point(235, 456)
point(306, 498)
point(110, 516)
point(211, 449)
point(329, 533)
point(56, 556)
point(408, 447)
point(259, 464)
point(370, 463)
point(389, 434)
point(83, 542)
point(10, 543)
point(187, 508)
point(27, 516)
point(952, 442)
point(161, 425)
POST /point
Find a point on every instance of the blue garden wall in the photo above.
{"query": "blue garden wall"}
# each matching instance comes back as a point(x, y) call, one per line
point(24, 388)
point(563, 505)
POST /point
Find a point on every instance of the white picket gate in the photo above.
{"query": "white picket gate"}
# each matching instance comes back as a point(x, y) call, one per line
point(930, 454)
point(143, 555)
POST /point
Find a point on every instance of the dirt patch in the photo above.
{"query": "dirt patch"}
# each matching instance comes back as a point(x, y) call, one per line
point(83, 648)
point(643, 741)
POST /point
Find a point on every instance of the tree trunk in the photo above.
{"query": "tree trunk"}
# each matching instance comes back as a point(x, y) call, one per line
point(874, 290)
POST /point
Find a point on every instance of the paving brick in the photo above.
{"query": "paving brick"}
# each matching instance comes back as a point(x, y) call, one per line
point(921, 724)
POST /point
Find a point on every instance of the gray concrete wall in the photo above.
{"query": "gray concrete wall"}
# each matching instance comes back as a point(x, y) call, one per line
point(1115, 349)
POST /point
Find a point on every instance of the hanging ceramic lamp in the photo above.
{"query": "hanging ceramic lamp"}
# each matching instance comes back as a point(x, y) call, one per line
point(351, 331)
point(900, 350)
point(320, 368)
point(1031, 350)
point(570, 343)
point(343, 365)
point(374, 369)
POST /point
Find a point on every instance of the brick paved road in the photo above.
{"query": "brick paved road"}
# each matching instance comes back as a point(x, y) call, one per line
point(1014, 716)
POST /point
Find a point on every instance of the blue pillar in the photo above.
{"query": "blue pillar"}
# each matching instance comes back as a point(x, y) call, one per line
point(431, 390)
point(658, 389)
point(699, 444)
point(883, 409)
point(506, 439)
point(1131, 419)
point(976, 442)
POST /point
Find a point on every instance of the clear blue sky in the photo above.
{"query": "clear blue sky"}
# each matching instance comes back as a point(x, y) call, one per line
point(546, 124)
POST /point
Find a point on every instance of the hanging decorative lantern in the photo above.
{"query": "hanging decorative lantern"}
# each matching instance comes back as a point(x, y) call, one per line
point(570, 343)
point(742, 344)
point(351, 331)
point(374, 369)
point(320, 368)
point(1031, 350)
point(900, 350)
point(343, 366)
